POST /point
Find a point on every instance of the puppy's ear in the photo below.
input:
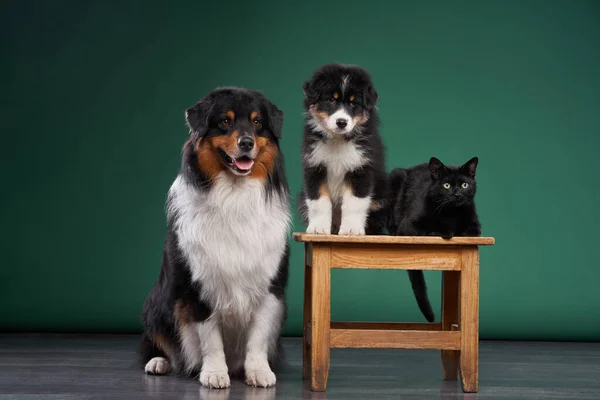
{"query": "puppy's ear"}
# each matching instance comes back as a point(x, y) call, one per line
point(311, 92)
point(370, 97)
point(435, 167)
point(196, 117)
point(471, 166)
point(275, 119)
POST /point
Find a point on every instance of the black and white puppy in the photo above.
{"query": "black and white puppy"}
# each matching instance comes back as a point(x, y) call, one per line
point(344, 178)
point(219, 303)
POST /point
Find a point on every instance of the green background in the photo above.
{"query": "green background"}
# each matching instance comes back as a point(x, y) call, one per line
point(92, 129)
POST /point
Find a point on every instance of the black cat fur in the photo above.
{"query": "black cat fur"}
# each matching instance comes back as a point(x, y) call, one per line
point(431, 199)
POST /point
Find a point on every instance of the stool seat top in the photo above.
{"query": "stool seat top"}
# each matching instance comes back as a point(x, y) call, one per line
point(386, 239)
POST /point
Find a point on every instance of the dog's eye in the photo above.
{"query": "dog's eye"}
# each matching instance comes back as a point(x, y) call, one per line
point(353, 103)
point(225, 122)
point(257, 123)
point(332, 100)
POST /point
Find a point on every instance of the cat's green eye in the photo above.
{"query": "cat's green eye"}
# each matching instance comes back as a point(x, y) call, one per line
point(465, 185)
point(446, 185)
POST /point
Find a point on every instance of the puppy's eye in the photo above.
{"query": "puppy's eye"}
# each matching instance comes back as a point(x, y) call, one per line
point(225, 122)
point(332, 100)
point(464, 185)
point(446, 185)
point(257, 123)
point(353, 103)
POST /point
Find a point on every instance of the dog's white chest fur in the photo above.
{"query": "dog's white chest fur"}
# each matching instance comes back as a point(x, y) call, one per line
point(339, 156)
point(233, 238)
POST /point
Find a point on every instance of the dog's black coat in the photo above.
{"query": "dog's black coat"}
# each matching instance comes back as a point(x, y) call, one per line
point(420, 205)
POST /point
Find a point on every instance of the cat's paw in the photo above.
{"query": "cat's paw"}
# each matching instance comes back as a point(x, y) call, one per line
point(447, 235)
point(214, 379)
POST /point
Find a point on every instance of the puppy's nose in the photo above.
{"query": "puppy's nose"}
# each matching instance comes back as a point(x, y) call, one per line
point(341, 123)
point(246, 143)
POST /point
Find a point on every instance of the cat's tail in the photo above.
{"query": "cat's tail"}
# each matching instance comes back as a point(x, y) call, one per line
point(419, 286)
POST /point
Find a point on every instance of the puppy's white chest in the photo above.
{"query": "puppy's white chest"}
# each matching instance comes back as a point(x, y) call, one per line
point(233, 238)
point(339, 157)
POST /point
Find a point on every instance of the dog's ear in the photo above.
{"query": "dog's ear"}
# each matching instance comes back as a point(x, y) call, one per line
point(435, 167)
point(196, 117)
point(275, 119)
point(370, 97)
point(311, 92)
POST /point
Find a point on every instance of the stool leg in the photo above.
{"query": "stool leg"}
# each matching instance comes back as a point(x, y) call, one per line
point(306, 339)
point(450, 297)
point(469, 320)
point(321, 316)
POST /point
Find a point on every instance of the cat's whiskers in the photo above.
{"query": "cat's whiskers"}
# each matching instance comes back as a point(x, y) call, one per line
point(441, 207)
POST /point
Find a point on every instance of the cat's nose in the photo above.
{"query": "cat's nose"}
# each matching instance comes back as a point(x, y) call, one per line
point(457, 195)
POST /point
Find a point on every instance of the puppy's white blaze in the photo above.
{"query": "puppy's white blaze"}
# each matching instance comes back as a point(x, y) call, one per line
point(339, 156)
point(354, 214)
point(319, 215)
point(262, 338)
point(345, 81)
point(331, 121)
point(234, 213)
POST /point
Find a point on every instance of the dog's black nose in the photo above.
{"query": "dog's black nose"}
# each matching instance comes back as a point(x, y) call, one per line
point(341, 123)
point(246, 143)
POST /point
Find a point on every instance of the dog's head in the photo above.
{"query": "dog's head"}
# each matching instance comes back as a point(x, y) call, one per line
point(235, 130)
point(339, 98)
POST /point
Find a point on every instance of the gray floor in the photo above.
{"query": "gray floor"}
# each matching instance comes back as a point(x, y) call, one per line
point(103, 367)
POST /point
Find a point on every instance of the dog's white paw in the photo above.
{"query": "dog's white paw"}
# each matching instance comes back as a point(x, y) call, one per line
point(215, 379)
point(320, 226)
point(319, 229)
point(260, 377)
point(157, 366)
point(351, 230)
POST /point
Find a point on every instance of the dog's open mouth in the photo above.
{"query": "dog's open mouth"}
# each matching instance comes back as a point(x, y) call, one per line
point(241, 164)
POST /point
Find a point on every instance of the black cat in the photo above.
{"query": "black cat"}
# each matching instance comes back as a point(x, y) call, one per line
point(433, 200)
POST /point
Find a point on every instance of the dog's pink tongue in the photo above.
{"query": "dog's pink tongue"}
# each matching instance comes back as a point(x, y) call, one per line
point(244, 164)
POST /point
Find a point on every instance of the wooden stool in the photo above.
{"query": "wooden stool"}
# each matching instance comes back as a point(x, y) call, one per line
point(457, 336)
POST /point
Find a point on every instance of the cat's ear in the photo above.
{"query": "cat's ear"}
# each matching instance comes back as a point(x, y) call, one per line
point(471, 167)
point(435, 167)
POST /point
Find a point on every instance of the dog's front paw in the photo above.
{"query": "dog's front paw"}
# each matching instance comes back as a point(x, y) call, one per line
point(351, 229)
point(321, 226)
point(260, 377)
point(214, 379)
point(157, 366)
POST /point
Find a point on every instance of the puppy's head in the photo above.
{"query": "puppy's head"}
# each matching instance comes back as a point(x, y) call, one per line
point(339, 99)
point(235, 130)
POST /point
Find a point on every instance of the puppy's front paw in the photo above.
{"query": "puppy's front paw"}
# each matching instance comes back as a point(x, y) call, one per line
point(260, 377)
point(351, 230)
point(321, 226)
point(214, 379)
